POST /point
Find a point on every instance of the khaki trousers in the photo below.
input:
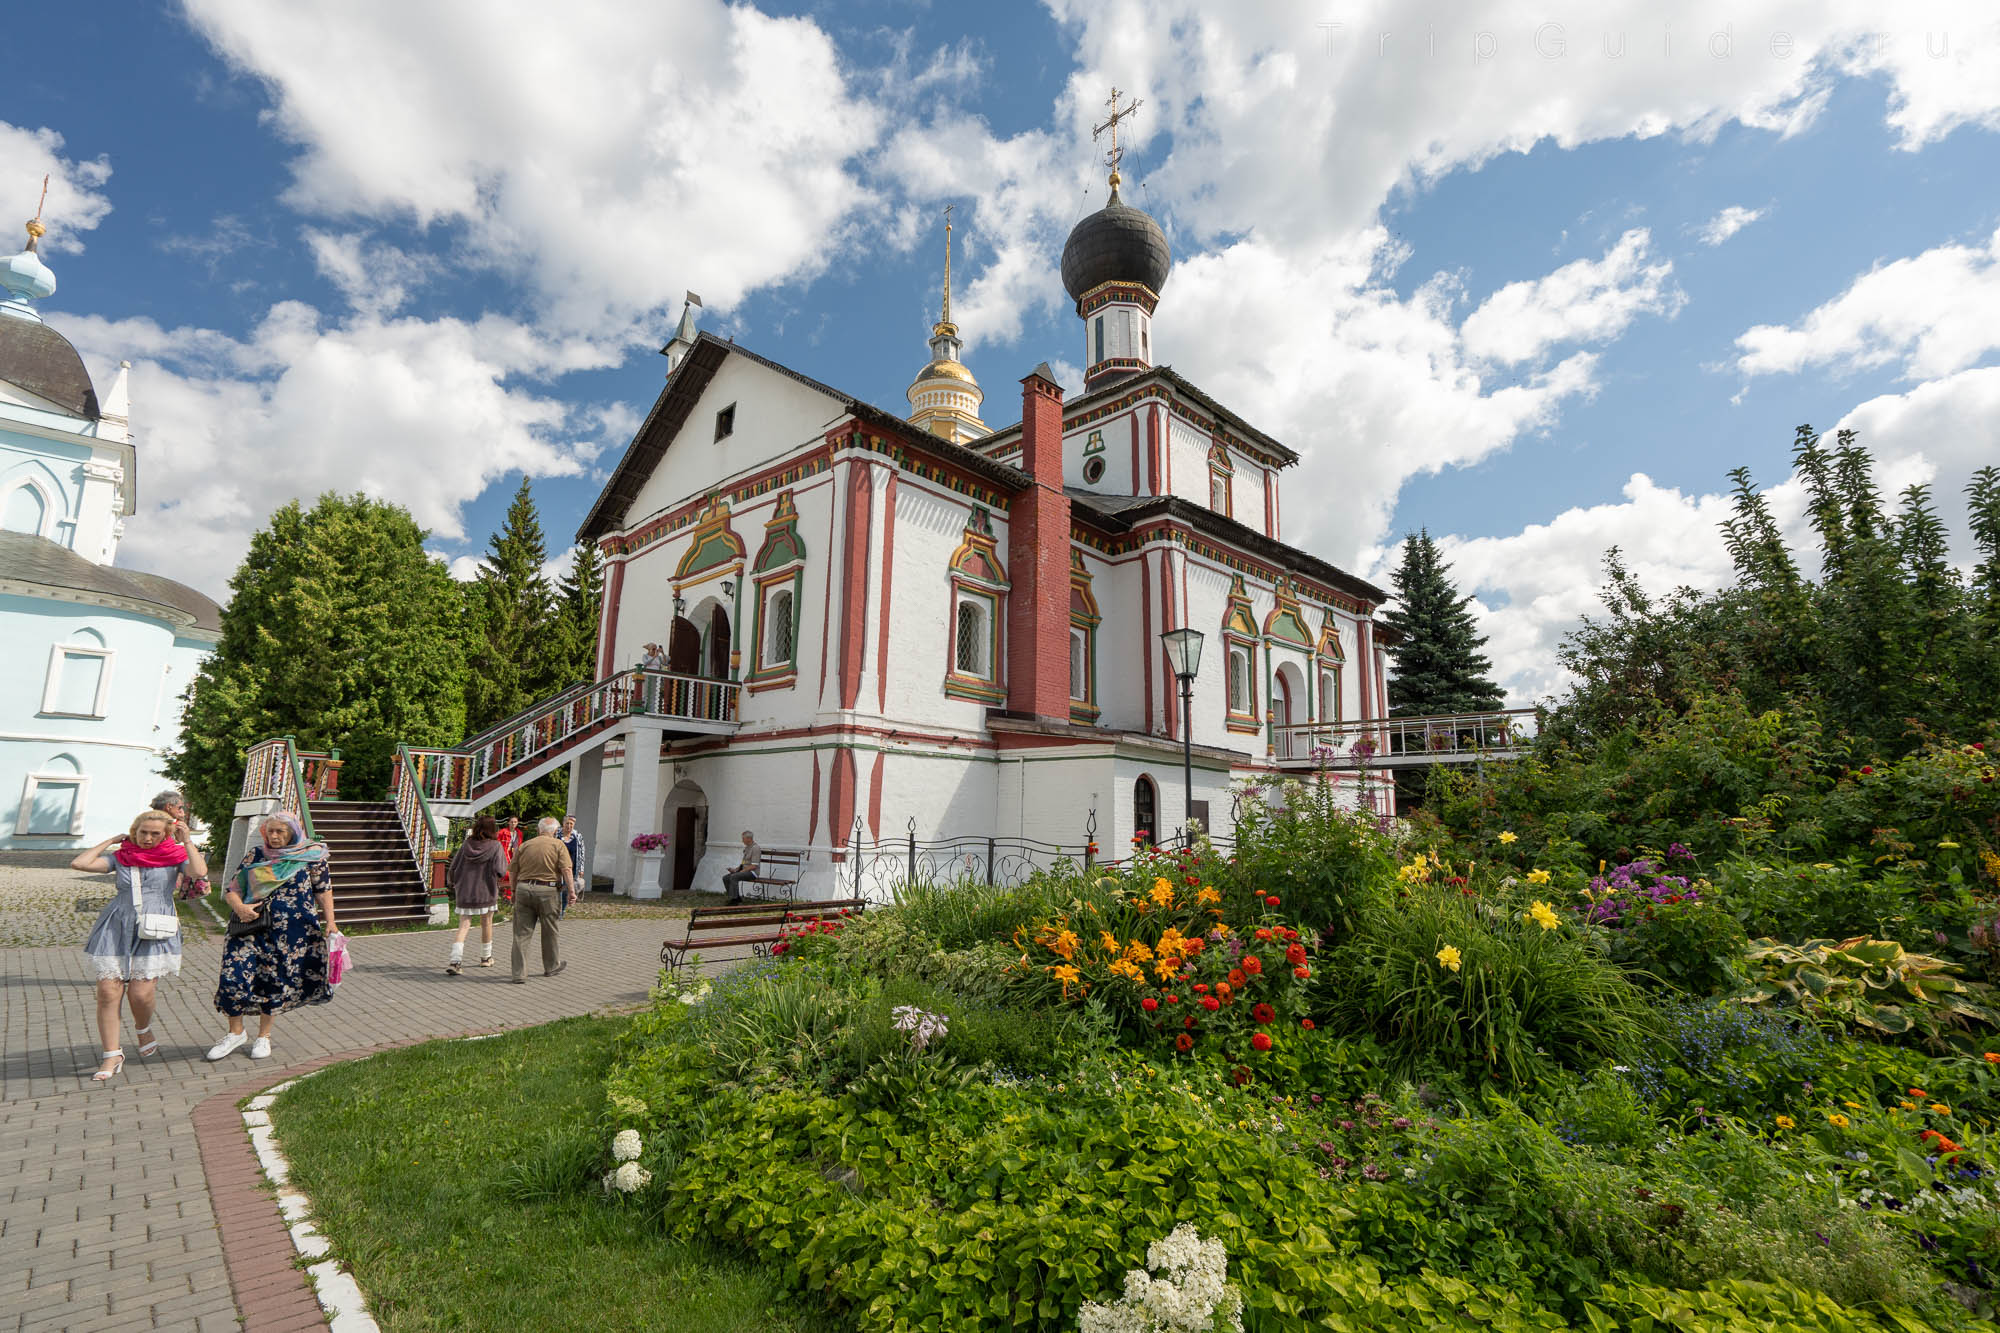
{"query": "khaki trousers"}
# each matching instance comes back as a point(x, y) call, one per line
point(535, 905)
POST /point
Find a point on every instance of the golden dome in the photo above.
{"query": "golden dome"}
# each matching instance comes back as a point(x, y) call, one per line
point(944, 369)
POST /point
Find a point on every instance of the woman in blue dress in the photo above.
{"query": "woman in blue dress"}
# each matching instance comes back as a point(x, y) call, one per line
point(285, 882)
point(147, 863)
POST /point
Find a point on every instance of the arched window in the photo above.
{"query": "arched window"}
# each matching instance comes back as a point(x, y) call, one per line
point(1145, 812)
point(778, 629)
point(1221, 472)
point(1079, 656)
point(26, 510)
point(1240, 700)
point(973, 640)
point(1329, 697)
point(978, 590)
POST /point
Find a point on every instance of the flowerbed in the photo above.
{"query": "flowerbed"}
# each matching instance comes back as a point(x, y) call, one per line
point(1427, 1093)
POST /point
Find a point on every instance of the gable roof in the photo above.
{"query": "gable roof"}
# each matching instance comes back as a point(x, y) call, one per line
point(1167, 375)
point(684, 388)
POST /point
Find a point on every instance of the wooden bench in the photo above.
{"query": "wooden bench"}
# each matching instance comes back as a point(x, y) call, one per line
point(756, 926)
point(779, 870)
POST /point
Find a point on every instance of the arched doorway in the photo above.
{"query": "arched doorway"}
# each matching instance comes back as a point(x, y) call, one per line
point(1145, 811)
point(1286, 696)
point(685, 817)
point(718, 643)
point(683, 647)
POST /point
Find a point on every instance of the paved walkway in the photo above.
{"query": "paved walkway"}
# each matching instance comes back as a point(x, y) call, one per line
point(105, 1218)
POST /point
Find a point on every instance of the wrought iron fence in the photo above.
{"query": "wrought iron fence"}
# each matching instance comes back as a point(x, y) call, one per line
point(877, 868)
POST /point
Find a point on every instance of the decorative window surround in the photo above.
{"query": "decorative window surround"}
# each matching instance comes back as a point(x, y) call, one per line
point(1084, 619)
point(1239, 636)
point(1332, 657)
point(1221, 482)
point(978, 589)
point(61, 656)
point(779, 571)
point(31, 787)
point(51, 513)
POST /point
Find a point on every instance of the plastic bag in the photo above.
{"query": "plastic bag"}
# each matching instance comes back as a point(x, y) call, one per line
point(338, 962)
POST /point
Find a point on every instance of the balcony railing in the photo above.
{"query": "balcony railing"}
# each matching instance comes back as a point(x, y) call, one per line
point(277, 770)
point(1397, 742)
point(465, 773)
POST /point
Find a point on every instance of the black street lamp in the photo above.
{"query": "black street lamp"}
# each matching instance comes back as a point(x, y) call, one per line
point(1184, 656)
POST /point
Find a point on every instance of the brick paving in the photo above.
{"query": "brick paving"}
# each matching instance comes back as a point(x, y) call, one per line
point(108, 1217)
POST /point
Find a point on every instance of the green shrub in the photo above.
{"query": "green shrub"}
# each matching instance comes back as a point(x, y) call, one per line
point(1520, 997)
point(1693, 945)
point(1325, 862)
point(1824, 900)
point(1876, 985)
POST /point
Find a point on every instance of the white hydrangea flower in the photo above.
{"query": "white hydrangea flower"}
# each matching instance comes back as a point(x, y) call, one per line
point(628, 1179)
point(625, 1148)
point(1191, 1296)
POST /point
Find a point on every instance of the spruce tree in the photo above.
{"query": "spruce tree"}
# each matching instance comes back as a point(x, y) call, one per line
point(511, 665)
point(579, 599)
point(1439, 668)
point(341, 631)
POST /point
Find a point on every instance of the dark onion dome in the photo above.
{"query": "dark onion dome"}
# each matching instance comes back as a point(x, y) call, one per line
point(35, 357)
point(1117, 243)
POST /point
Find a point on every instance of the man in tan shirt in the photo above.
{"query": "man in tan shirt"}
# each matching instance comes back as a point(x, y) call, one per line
point(542, 878)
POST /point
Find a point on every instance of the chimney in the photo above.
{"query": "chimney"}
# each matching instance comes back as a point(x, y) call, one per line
point(1038, 549)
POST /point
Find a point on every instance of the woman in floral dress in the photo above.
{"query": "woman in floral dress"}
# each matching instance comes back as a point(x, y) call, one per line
point(271, 971)
point(127, 967)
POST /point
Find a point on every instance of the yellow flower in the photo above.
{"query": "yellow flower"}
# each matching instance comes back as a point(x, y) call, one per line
point(1939, 1108)
point(1852, 1106)
point(1204, 895)
point(1538, 877)
point(1166, 968)
point(1543, 915)
point(1822, 865)
point(1108, 942)
point(1786, 1122)
point(1163, 893)
point(1952, 845)
point(1508, 837)
point(1906, 1106)
point(1172, 942)
point(1221, 928)
point(1130, 970)
point(1138, 952)
point(1450, 957)
point(1837, 1120)
point(1065, 944)
point(1065, 974)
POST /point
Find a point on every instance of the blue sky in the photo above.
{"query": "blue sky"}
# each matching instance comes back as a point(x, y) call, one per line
point(1474, 274)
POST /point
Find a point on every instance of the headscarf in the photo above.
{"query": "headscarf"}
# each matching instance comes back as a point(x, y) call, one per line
point(265, 869)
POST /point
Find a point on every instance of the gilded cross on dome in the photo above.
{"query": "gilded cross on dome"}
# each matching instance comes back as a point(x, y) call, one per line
point(1113, 157)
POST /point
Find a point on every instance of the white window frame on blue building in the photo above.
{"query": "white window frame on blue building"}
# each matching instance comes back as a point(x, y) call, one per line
point(60, 656)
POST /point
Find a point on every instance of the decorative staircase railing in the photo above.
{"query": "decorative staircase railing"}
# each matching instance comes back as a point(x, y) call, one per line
point(427, 776)
point(466, 772)
point(1452, 738)
point(277, 770)
point(413, 811)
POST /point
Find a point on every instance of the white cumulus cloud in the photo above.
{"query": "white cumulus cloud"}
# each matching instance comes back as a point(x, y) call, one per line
point(1587, 300)
point(1727, 223)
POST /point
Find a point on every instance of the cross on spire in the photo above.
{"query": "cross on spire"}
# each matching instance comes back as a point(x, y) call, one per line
point(1116, 154)
point(944, 320)
point(35, 227)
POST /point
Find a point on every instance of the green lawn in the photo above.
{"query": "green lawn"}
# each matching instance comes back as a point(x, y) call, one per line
point(458, 1180)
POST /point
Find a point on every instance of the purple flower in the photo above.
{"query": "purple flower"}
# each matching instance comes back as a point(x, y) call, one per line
point(1400, 1122)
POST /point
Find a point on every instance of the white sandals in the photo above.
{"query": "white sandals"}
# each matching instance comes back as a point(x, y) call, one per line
point(106, 1075)
point(148, 1043)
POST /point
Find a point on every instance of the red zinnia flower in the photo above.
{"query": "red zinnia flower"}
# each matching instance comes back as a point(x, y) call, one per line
point(1210, 1003)
point(1291, 934)
point(1296, 954)
point(1271, 901)
point(1302, 972)
point(1188, 1022)
point(1149, 1004)
point(1263, 1013)
point(1222, 991)
point(1263, 932)
point(1260, 1041)
point(1184, 1042)
point(1306, 1023)
point(1866, 769)
point(1173, 999)
point(1239, 1076)
point(1201, 988)
point(1236, 976)
point(1253, 965)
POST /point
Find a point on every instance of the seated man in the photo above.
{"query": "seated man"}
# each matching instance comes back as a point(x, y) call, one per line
point(745, 869)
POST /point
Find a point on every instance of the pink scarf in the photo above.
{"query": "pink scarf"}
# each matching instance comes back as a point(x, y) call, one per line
point(167, 853)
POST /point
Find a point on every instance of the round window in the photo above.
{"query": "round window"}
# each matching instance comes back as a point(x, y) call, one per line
point(1093, 470)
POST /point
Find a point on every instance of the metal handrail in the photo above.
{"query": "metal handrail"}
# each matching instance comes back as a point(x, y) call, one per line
point(419, 826)
point(531, 711)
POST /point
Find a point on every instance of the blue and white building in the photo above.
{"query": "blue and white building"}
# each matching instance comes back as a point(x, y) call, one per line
point(93, 659)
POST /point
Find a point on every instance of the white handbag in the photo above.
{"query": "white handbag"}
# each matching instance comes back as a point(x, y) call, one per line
point(152, 925)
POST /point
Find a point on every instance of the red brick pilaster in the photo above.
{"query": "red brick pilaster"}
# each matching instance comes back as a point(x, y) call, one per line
point(1038, 550)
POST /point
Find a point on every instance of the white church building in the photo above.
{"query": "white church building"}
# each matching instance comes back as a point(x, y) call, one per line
point(927, 620)
point(95, 657)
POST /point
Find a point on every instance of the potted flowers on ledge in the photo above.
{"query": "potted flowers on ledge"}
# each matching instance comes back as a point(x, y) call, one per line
point(651, 849)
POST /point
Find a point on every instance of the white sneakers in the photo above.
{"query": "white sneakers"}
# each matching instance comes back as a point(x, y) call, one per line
point(230, 1043)
point(260, 1049)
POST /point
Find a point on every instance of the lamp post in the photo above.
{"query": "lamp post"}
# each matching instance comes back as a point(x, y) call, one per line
point(1184, 656)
